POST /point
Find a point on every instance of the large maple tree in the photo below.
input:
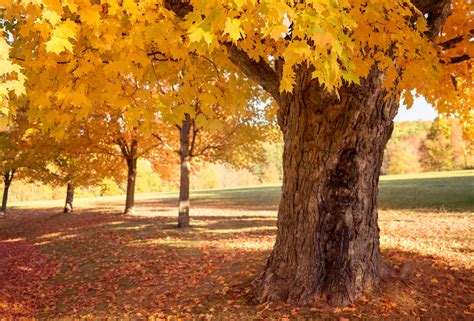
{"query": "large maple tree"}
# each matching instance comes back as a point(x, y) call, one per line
point(336, 69)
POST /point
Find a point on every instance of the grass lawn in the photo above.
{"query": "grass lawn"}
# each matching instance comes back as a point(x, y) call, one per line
point(94, 263)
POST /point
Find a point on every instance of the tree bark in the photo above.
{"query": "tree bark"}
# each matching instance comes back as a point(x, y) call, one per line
point(185, 162)
point(7, 180)
point(328, 239)
point(131, 180)
point(68, 206)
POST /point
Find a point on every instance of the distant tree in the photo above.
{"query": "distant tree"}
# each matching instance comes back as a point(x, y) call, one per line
point(461, 154)
point(403, 160)
point(271, 170)
point(214, 137)
point(437, 152)
point(402, 153)
point(19, 153)
point(74, 163)
point(217, 120)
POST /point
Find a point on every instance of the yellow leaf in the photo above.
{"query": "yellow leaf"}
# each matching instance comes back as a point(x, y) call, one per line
point(59, 41)
point(196, 34)
point(286, 84)
point(71, 5)
point(240, 3)
point(233, 29)
point(408, 99)
point(4, 49)
point(58, 45)
point(51, 16)
point(91, 16)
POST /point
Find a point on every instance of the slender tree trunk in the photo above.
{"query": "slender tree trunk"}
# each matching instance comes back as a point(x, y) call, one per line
point(7, 180)
point(328, 239)
point(185, 161)
point(69, 198)
point(131, 180)
point(130, 153)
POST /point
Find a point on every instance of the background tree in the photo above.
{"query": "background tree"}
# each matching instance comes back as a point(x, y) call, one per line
point(218, 120)
point(73, 162)
point(19, 150)
point(437, 151)
point(126, 134)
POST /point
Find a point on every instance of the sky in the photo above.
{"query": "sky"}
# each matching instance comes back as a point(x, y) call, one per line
point(420, 110)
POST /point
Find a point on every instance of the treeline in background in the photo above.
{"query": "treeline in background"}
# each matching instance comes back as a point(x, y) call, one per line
point(415, 146)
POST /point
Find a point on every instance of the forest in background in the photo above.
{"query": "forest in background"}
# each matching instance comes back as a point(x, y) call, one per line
point(415, 146)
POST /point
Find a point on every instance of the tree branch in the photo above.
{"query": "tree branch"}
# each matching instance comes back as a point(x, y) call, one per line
point(261, 72)
point(456, 60)
point(437, 11)
point(451, 43)
point(165, 144)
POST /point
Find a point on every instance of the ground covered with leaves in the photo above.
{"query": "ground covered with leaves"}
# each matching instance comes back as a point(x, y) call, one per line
point(95, 263)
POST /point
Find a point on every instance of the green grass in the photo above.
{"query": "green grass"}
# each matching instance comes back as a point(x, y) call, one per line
point(453, 191)
point(438, 190)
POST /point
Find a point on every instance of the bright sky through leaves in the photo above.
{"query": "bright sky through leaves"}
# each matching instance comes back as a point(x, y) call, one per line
point(421, 110)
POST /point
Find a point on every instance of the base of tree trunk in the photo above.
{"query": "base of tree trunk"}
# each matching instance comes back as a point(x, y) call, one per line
point(68, 206)
point(184, 225)
point(183, 216)
point(269, 286)
point(129, 211)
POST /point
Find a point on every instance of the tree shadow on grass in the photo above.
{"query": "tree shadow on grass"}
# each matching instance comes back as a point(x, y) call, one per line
point(126, 266)
point(262, 199)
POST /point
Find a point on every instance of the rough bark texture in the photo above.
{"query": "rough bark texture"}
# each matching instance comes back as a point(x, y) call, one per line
point(185, 161)
point(7, 180)
point(68, 206)
point(328, 238)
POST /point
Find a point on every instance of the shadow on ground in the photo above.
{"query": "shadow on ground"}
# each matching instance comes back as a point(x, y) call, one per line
point(91, 264)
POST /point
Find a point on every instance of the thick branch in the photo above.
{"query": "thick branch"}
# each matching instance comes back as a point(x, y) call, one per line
point(260, 71)
point(437, 11)
point(456, 60)
point(451, 43)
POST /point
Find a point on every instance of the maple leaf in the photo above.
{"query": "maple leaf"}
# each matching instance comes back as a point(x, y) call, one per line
point(60, 36)
point(233, 29)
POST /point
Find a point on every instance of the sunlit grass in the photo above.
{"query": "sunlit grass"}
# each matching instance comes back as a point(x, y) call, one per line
point(107, 265)
point(435, 190)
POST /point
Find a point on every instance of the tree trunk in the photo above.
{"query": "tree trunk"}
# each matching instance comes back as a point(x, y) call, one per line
point(328, 239)
point(69, 198)
point(131, 180)
point(185, 161)
point(7, 180)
